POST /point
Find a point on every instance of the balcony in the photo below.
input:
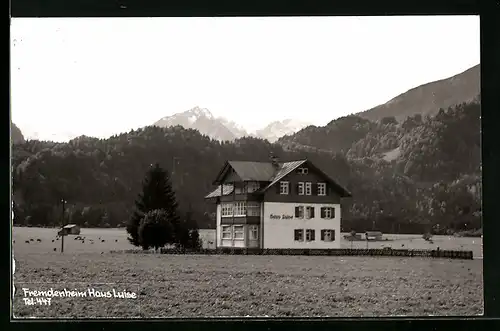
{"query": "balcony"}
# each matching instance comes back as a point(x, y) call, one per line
point(241, 212)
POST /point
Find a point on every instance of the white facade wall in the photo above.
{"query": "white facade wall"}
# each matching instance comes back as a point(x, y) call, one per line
point(279, 233)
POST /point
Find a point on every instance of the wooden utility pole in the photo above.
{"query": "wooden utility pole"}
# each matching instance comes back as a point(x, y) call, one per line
point(62, 228)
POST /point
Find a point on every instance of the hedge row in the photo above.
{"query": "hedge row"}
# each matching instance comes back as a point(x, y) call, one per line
point(465, 255)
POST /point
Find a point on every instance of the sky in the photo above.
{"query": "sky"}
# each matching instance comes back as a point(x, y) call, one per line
point(102, 76)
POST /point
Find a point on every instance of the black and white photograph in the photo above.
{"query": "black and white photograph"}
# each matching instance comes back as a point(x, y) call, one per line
point(271, 167)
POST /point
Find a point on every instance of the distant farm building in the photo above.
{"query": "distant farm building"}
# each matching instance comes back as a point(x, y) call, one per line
point(373, 235)
point(69, 229)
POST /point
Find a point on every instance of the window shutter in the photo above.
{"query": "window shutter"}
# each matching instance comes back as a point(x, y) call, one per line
point(314, 189)
point(322, 234)
point(278, 187)
point(327, 189)
point(312, 235)
point(333, 212)
point(312, 212)
point(322, 211)
point(333, 235)
point(297, 212)
point(297, 188)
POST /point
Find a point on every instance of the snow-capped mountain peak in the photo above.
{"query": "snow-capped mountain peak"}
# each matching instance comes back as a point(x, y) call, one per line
point(220, 128)
point(200, 112)
point(277, 129)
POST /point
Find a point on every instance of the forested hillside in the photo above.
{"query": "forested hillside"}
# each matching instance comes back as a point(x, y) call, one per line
point(426, 99)
point(405, 177)
point(16, 134)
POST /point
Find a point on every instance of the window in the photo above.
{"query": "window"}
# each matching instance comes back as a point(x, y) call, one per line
point(253, 209)
point(238, 232)
point(238, 189)
point(308, 188)
point(300, 188)
point(328, 235)
point(227, 209)
point(299, 212)
point(310, 235)
point(226, 232)
point(309, 212)
point(298, 235)
point(303, 171)
point(240, 209)
point(284, 187)
point(253, 186)
point(253, 232)
point(327, 212)
point(321, 188)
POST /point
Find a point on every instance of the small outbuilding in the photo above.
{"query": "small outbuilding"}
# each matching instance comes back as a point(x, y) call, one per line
point(373, 235)
point(69, 229)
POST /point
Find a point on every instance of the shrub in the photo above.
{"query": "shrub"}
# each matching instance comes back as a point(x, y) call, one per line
point(155, 230)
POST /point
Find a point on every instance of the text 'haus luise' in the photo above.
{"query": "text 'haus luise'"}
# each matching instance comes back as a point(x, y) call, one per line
point(276, 205)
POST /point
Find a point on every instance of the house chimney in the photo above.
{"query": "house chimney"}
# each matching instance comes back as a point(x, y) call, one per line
point(274, 160)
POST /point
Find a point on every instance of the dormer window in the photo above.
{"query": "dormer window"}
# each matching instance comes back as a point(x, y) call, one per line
point(302, 171)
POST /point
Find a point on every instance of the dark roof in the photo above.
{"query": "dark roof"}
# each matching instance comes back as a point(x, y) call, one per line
point(266, 172)
point(253, 171)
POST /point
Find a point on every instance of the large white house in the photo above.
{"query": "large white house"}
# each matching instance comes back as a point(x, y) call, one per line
point(276, 205)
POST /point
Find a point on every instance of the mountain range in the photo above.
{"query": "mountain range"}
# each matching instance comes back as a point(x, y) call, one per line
point(220, 128)
point(423, 100)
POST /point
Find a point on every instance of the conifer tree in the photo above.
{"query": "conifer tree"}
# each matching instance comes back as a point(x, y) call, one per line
point(157, 193)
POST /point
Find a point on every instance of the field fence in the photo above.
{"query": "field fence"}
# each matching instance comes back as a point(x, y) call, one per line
point(448, 254)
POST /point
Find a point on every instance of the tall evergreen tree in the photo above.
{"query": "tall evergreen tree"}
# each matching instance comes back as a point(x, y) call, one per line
point(157, 193)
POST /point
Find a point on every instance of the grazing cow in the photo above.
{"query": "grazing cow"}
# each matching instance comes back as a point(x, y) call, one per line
point(31, 239)
point(14, 241)
point(52, 240)
point(39, 240)
point(55, 249)
point(116, 240)
point(27, 241)
point(103, 240)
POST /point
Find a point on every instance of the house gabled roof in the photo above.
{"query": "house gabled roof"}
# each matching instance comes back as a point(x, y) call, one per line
point(285, 169)
point(266, 172)
point(226, 190)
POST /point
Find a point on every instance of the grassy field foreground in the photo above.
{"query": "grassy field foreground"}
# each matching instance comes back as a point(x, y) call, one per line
point(196, 286)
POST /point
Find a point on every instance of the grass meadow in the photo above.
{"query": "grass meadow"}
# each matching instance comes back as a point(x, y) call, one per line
point(239, 285)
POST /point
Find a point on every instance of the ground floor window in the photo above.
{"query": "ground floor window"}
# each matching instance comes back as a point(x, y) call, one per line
point(238, 232)
point(310, 235)
point(253, 231)
point(298, 235)
point(226, 232)
point(328, 235)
